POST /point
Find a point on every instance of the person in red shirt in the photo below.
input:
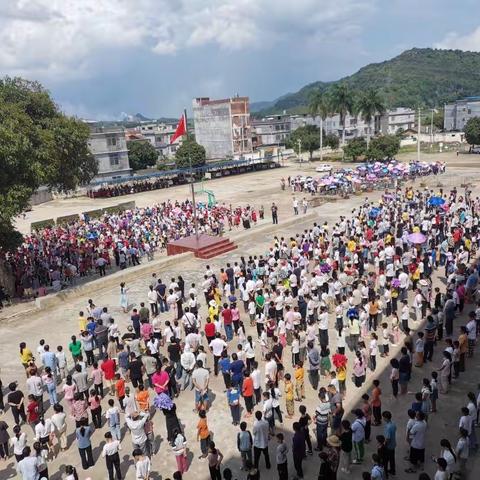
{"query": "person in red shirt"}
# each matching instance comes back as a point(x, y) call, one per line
point(376, 403)
point(247, 393)
point(108, 368)
point(32, 412)
point(227, 322)
point(209, 330)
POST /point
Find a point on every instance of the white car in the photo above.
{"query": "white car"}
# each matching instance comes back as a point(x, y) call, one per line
point(324, 167)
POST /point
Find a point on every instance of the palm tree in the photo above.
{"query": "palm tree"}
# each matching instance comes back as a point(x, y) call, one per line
point(342, 102)
point(369, 105)
point(319, 104)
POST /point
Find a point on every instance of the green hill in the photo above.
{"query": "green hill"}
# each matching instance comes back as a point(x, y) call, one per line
point(416, 77)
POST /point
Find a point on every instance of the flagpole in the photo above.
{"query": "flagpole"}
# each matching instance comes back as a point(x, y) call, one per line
point(192, 181)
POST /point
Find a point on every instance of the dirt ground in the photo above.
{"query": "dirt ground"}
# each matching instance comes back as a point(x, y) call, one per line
point(58, 324)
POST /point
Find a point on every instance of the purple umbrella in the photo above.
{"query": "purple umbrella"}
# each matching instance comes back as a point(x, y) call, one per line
point(417, 237)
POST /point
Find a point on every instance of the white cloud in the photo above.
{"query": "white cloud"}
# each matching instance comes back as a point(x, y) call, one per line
point(57, 39)
point(468, 42)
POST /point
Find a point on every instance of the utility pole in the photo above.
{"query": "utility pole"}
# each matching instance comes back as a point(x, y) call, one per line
point(299, 142)
point(192, 181)
point(321, 138)
point(431, 130)
point(418, 135)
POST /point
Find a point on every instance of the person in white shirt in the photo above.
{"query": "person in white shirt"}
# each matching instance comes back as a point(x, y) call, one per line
point(27, 468)
point(142, 465)
point(136, 424)
point(187, 361)
point(59, 423)
point(110, 453)
point(152, 300)
point(260, 439)
point(217, 345)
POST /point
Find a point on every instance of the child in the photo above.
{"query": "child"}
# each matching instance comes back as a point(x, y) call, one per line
point(342, 377)
point(419, 349)
point(97, 376)
point(376, 403)
point(33, 414)
point(299, 381)
point(113, 419)
point(456, 359)
point(434, 395)
point(367, 413)
point(203, 433)
point(347, 446)
point(334, 380)
point(142, 465)
point(325, 363)
point(417, 404)
point(384, 348)
point(382, 451)
point(395, 330)
point(373, 351)
point(120, 389)
point(143, 399)
point(289, 402)
point(61, 362)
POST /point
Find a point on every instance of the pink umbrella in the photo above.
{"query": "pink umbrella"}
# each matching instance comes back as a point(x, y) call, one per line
point(417, 237)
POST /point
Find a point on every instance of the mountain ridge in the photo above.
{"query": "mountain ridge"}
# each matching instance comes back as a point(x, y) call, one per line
point(416, 77)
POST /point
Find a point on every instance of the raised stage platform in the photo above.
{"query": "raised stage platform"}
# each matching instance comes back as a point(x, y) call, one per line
point(204, 247)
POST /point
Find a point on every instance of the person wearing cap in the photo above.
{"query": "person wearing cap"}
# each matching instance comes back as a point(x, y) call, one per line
point(333, 453)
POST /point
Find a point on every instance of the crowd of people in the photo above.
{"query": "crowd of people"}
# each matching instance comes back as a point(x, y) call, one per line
point(128, 188)
point(55, 257)
point(311, 317)
point(364, 176)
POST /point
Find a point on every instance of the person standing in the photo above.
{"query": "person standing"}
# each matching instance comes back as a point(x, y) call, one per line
point(110, 452)
point(281, 457)
point(244, 445)
point(274, 210)
point(180, 451)
point(298, 449)
point(260, 440)
point(16, 400)
point(84, 444)
point(358, 436)
point(214, 459)
point(389, 432)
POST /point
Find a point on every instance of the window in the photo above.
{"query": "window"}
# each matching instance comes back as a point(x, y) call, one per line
point(114, 159)
point(111, 141)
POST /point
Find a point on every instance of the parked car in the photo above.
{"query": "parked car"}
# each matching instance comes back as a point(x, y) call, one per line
point(324, 167)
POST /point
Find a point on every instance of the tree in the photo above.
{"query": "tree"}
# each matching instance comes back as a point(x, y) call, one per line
point(190, 150)
point(332, 141)
point(368, 105)
point(142, 154)
point(320, 105)
point(355, 148)
point(39, 145)
point(383, 147)
point(307, 137)
point(342, 102)
point(472, 131)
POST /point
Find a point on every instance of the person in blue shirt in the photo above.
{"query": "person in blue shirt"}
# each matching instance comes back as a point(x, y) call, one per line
point(390, 433)
point(233, 398)
point(236, 368)
point(224, 365)
point(84, 444)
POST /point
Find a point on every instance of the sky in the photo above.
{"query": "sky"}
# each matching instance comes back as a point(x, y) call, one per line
point(100, 58)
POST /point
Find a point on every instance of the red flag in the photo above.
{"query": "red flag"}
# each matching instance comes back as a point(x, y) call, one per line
point(181, 129)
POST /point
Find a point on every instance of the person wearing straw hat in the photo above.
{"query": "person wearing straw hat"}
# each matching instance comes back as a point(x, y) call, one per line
point(333, 452)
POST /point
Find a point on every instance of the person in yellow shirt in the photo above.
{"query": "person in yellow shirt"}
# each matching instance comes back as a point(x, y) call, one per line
point(82, 322)
point(26, 355)
point(299, 381)
point(213, 310)
point(351, 245)
point(342, 377)
point(289, 402)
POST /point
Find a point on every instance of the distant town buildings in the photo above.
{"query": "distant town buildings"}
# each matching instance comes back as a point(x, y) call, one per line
point(457, 114)
point(159, 135)
point(397, 120)
point(109, 147)
point(223, 127)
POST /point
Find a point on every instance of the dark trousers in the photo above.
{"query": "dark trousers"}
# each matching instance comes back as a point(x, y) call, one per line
point(215, 473)
point(19, 413)
point(395, 387)
point(256, 456)
point(90, 356)
point(98, 389)
point(297, 462)
point(282, 471)
point(4, 450)
point(428, 351)
point(86, 455)
point(377, 414)
point(390, 460)
point(97, 417)
point(215, 364)
point(154, 309)
point(113, 463)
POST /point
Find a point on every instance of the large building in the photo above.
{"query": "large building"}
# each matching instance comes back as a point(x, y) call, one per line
point(397, 120)
point(109, 147)
point(457, 114)
point(223, 127)
point(270, 131)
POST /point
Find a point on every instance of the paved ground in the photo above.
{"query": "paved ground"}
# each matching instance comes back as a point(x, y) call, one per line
point(57, 325)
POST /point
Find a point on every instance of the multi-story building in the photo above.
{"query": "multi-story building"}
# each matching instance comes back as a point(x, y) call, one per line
point(223, 126)
point(457, 114)
point(109, 147)
point(397, 119)
point(270, 131)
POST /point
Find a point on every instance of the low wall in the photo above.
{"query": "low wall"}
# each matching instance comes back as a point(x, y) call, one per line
point(110, 281)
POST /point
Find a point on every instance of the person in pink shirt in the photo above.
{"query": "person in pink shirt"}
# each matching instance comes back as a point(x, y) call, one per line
point(95, 408)
point(160, 381)
point(69, 390)
point(97, 377)
point(146, 331)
